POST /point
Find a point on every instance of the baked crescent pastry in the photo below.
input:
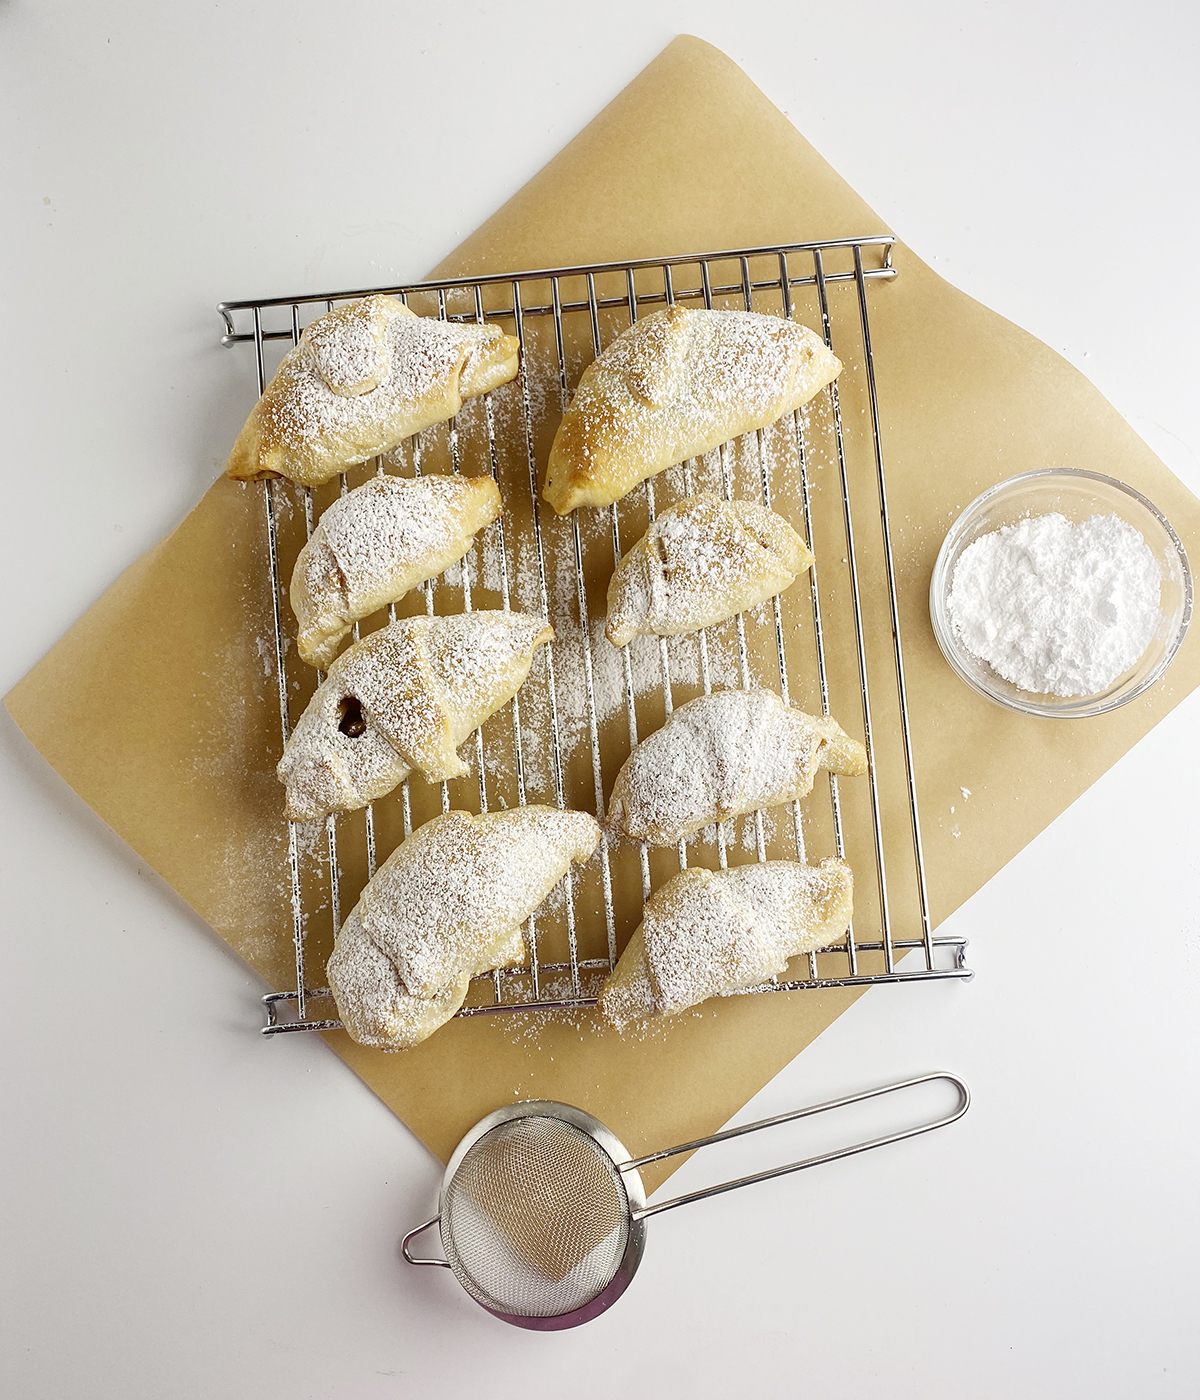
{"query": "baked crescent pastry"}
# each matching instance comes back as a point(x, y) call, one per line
point(676, 385)
point(375, 544)
point(404, 698)
point(721, 756)
point(446, 906)
point(365, 376)
point(709, 932)
point(700, 562)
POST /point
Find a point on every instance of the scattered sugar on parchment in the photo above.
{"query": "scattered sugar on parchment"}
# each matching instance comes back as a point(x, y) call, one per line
point(1057, 608)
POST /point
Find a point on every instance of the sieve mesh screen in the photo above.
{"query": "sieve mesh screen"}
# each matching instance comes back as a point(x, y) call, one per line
point(535, 1220)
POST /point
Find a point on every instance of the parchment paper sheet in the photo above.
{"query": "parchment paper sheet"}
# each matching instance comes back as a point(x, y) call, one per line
point(160, 709)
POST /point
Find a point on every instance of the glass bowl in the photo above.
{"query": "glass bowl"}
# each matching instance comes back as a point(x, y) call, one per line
point(1077, 495)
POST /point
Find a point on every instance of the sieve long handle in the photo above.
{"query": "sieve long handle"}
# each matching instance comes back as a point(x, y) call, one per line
point(964, 1103)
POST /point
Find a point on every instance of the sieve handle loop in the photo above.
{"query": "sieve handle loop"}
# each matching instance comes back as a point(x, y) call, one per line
point(964, 1096)
point(416, 1258)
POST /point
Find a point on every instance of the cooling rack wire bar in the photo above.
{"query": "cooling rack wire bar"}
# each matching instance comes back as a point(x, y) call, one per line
point(600, 297)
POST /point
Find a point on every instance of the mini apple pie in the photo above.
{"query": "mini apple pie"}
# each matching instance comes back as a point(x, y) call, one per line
point(364, 377)
point(702, 561)
point(721, 756)
point(447, 905)
point(404, 699)
point(674, 386)
point(376, 543)
point(706, 933)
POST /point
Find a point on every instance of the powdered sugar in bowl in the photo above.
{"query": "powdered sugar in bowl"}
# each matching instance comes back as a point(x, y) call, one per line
point(1088, 501)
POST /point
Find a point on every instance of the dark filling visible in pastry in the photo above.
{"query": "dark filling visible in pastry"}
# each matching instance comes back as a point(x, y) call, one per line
point(351, 722)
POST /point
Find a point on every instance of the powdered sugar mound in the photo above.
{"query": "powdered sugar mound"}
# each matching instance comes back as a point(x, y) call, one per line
point(1057, 608)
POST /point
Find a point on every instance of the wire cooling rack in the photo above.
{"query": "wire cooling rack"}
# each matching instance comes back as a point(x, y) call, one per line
point(833, 648)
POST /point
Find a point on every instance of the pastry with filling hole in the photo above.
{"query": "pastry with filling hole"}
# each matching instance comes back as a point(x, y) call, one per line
point(721, 756)
point(701, 562)
point(447, 905)
point(707, 933)
point(373, 545)
point(364, 377)
point(402, 700)
point(673, 386)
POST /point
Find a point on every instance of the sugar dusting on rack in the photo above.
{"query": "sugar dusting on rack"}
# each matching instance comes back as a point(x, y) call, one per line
point(585, 692)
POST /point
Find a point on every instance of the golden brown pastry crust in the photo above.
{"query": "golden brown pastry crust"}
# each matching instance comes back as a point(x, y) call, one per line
point(709, 932)
point(447, 905)
point(699, 563)
point(674, 386)
point(365, 376)
point(376, 543)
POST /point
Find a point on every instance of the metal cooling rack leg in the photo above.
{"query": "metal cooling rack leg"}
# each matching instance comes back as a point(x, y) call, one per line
point(269, 490)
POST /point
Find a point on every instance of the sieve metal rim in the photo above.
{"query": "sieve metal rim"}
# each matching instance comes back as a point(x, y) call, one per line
point(635, 1193)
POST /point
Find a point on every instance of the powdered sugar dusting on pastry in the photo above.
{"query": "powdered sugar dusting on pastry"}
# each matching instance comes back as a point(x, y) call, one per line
point(446, 905)
point(700, 562)
point(376, 543)
point(466, 656)
point(390, 519)
point(721, 756)
point(460, 883)
point(423, 354)
point(348, 346)
point(712, 933)
point(708, 933)
point(374, 1005)
point(699, 940)
point(405, 697)
point(307, 430)
point(675, 385)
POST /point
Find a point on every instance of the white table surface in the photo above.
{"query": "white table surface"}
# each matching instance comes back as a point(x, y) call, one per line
point(193, 1211)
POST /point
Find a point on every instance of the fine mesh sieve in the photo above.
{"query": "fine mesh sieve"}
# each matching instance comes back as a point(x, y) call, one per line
point(542, 1209)
point(535, 1220)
